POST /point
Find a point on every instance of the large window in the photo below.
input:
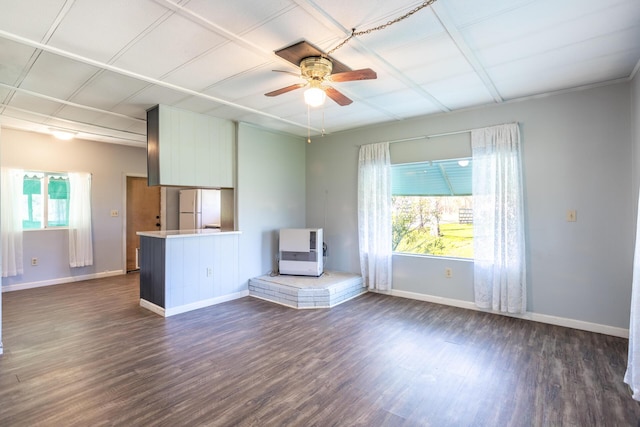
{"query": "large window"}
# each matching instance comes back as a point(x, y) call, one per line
point(45, 200)
point(433, 208)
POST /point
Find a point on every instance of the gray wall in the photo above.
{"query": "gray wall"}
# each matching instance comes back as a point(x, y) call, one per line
point(577, 155)
point(108, 164)
point(270, 194)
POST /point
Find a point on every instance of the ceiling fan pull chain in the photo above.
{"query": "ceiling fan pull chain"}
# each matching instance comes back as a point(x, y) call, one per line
point(308, 124)
point(381, 27)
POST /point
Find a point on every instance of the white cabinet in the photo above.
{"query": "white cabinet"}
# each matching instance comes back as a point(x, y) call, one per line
point(189, 149)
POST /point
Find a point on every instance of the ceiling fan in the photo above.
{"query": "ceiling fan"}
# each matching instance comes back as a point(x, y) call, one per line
point(319, 70)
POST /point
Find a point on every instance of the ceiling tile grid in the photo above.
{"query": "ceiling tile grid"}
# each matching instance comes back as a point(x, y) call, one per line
point(97, 66)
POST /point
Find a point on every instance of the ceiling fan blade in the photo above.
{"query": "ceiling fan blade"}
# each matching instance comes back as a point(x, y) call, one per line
point(293, 73)
point(286, 89)
point(347, 76)
point(338, 97)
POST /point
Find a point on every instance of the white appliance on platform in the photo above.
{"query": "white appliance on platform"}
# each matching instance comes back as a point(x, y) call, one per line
point(199, 208)
point(301, 251)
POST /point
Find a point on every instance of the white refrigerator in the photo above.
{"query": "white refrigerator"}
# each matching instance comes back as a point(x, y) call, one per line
point(199, 208)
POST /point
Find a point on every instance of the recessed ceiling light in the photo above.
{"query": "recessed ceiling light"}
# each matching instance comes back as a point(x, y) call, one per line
point(62, 134)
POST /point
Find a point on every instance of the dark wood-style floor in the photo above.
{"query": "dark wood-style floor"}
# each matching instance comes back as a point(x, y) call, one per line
point(86, 354)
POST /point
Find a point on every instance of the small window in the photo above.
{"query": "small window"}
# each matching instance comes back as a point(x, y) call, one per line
point(45, 200)
point(432, 208)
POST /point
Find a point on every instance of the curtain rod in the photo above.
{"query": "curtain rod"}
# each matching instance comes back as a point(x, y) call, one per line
point(431, 136)
point(436, 135)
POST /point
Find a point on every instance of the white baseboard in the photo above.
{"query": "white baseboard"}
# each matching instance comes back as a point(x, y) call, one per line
point(59, 281)
point(151, 307)
point(166, 312)
point(536, 317)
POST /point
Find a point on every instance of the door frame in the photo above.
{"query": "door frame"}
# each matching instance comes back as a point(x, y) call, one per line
point(123, 214)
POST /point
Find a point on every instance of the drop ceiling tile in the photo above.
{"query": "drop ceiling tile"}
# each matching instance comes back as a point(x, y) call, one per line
point(460, 91)
point(161, 51)
point(108, 121)
point(529, 36)
point(57, 76)
point(29, 18)
point(100, 29)
point(26, 116)
point(253, 82)
point(107, 89)
point(530, 77)
point(241, 16)
point(404, 103)
point(222, 63)
point(14, 57)
point(465, 12)
point(3, 94)
point(137, 105)
point(195, 104)
point(289, 28)
point(363, 14)
point(416, 31)
point(434, 59)
point(35, 104)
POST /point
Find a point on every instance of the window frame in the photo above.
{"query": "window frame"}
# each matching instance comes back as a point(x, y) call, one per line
point(470, 195)
point(46, 176)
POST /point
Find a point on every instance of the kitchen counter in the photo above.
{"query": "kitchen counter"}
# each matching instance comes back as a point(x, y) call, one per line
point(168, 234)
point(183, 270)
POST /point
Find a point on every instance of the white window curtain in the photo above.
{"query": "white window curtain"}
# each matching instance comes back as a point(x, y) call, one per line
point(374, 215)
point(80, 241)
point(632, 376)
point(11, 221)
point(498, 219)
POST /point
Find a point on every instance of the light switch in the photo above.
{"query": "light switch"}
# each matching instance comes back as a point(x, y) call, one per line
point(114, 212)
point(572, 215)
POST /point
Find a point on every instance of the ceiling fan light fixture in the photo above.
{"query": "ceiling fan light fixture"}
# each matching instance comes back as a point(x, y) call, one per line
point(314, 96)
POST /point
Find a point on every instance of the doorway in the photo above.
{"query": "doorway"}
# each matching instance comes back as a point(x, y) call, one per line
point(143, 214)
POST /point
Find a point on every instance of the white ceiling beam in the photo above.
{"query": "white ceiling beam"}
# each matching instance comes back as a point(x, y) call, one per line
point(440, 10)
point(134, 138)
point(221, 31)
point(69, 103)
point(99, 64)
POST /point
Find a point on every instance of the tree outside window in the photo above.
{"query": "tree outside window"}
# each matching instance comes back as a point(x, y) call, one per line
point(432, 208)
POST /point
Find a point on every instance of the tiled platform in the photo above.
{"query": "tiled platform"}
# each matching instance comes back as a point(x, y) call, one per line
point(328, 290)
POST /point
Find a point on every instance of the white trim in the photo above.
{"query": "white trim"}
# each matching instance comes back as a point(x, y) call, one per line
point(536, 317)
point(166, 312)
point(152, 307)
point(59, 281)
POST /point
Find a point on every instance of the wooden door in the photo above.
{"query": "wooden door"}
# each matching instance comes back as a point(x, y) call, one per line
point(143, 214)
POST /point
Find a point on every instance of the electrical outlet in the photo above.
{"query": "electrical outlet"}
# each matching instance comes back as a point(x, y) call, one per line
point(209, 271)
point(34, 261)
point(448, 273)
point(572, 215)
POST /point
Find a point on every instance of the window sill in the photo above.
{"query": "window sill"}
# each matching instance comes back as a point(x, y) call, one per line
point(29, 230)
point(439, 257)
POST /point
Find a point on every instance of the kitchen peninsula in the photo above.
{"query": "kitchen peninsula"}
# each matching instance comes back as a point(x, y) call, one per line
point(183, 270)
